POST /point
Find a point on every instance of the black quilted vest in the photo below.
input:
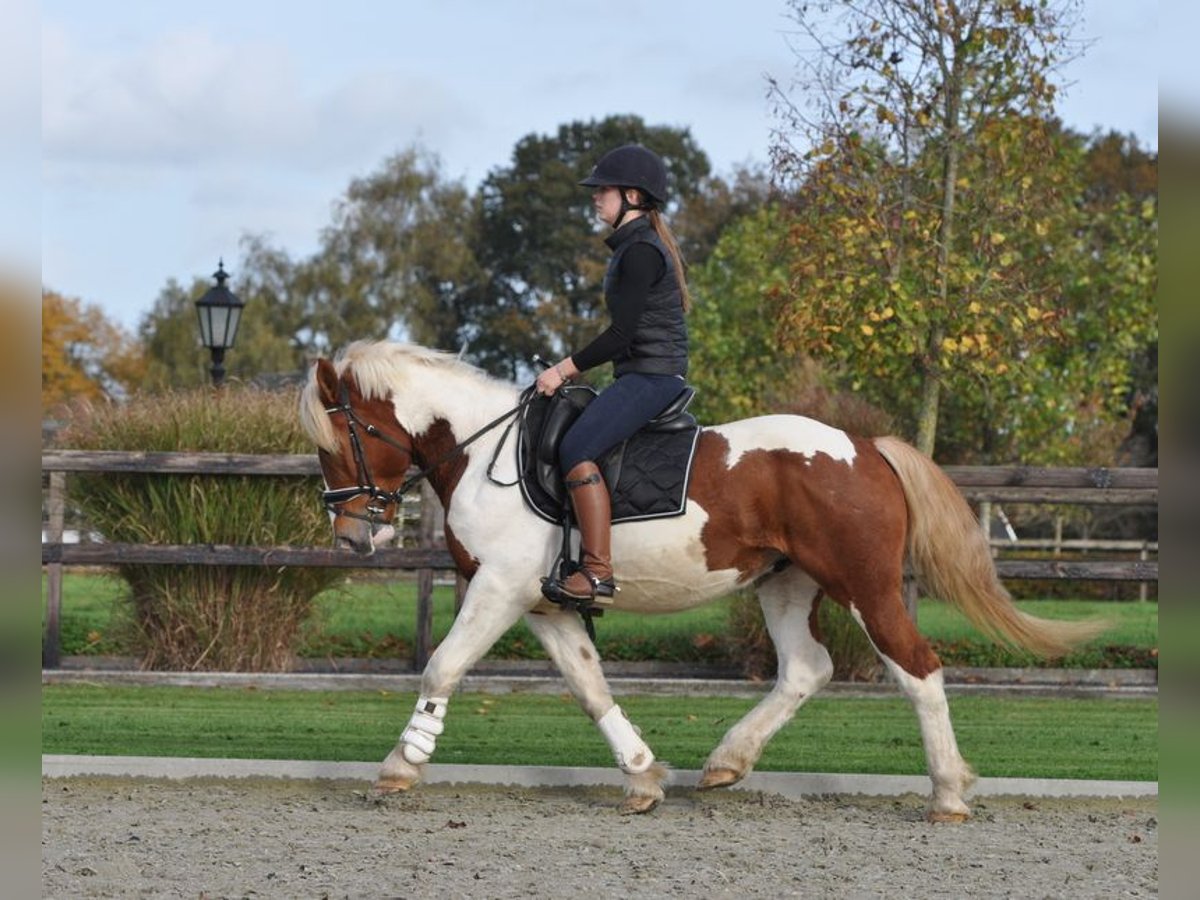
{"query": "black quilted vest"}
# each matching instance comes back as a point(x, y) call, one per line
point(660, 341)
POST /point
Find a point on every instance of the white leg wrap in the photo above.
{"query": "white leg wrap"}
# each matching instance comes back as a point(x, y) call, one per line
point(633, 756)
point(420, 737)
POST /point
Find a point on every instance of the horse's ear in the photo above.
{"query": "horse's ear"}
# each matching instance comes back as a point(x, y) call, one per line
point(327, 382)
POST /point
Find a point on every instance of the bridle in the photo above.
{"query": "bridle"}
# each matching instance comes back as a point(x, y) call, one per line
point(379, 497)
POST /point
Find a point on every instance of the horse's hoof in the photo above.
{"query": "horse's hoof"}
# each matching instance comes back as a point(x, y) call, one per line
point(636, 805)
point(385, 786)
point(953, 818)
point(715, 778)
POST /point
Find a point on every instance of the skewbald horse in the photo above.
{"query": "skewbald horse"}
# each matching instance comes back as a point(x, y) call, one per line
point(793, 507)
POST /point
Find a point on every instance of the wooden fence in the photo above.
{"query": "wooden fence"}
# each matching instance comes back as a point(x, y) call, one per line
point(979, 484)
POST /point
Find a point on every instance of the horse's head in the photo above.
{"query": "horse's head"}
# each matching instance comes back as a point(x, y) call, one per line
point(383, 407)
point(364, 455)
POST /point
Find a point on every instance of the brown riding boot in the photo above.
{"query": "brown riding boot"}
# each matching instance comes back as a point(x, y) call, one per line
point(593, 582)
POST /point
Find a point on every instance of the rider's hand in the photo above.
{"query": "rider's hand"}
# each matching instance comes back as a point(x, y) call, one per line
point(549, 381)
point(554, 377)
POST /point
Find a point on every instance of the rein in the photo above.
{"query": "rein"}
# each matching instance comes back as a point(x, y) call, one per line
point(380, 497)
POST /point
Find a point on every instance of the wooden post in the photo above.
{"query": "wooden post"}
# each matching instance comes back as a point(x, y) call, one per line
point(51, 640)
point(985, 522)
point(1143, 588)
point(424, 639)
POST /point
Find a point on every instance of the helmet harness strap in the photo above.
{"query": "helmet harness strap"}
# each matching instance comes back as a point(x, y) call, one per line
point(626, 206)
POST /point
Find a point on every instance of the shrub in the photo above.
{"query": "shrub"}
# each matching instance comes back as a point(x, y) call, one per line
point(233, 618)
point(854, 659)
point(809, 391)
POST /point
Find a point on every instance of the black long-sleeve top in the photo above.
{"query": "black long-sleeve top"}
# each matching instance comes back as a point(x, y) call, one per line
point(641, 266)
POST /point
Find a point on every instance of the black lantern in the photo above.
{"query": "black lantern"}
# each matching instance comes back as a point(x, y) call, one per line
point(220, 311)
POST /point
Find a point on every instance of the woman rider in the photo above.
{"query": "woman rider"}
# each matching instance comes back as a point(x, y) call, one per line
point(646, 341)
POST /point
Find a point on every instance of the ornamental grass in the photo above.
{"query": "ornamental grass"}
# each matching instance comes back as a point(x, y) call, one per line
point(191, 617)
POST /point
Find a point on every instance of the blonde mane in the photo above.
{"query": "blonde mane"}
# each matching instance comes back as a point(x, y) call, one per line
point(379, 368)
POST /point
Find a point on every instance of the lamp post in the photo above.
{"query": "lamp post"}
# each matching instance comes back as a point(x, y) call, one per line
point(219, 311)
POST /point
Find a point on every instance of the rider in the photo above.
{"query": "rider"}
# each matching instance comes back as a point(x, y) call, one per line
point(647, 342)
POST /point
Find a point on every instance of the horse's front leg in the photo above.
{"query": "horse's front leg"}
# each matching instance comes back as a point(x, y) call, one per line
point(572, 651)
point(488, 611)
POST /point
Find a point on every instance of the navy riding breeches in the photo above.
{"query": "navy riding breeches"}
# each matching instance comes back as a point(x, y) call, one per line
point(620, 410)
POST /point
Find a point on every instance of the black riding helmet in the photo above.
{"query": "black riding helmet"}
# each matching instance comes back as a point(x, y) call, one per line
point(631, 166)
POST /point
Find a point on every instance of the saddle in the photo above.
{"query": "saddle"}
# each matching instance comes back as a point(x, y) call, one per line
point(647, 475)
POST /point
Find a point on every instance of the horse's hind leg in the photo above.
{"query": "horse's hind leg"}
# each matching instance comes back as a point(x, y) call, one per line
point(918, 671)
point(789, 601)
point(572, 651)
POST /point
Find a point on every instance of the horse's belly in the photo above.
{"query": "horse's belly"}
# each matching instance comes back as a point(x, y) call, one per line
point(659, 565)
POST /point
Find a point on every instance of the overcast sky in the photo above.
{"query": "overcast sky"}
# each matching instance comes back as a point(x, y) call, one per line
point(170, 129)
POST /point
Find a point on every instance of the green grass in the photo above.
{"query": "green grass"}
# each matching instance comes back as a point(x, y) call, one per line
point(376, 619)
point(1026, 737)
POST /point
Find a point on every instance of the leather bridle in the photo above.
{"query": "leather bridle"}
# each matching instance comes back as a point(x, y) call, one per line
point(380, 498)
point(333, 498)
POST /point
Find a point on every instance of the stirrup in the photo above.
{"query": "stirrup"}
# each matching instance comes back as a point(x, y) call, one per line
point(601, 595)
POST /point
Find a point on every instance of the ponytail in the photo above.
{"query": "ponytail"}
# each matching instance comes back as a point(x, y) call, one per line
point(659, 224)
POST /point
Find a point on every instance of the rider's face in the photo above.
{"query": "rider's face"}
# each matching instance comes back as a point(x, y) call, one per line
point(607, 202)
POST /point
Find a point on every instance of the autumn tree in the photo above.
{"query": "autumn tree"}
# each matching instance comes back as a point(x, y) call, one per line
point(1122, 177)
point(1087, 270)
point(908, 94)
point(84, 354)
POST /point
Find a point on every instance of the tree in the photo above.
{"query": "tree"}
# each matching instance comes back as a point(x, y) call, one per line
point(538, 242)
point(511, 270)
point(910, 94)
point(1121, 178)
point(1117, 165)
point(84, 355)
point(1067, 399)
point(735, 358)
point(715, 205)
point(398, 258)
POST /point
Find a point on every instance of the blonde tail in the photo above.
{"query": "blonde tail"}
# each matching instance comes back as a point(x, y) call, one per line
point(950, 554)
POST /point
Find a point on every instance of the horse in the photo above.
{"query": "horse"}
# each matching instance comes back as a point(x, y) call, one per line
point(792, 507)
